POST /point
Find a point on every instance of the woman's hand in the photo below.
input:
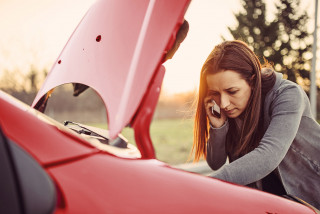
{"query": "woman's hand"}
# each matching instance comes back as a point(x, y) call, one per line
point(215, 121)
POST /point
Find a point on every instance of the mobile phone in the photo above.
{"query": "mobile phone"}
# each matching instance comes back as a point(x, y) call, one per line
point(215, 110)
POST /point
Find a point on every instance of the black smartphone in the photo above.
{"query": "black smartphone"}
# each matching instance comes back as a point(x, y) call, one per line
point(215, 110)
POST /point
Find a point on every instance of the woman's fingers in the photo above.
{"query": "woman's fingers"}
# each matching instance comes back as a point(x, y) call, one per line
point(211, 105)
point(216, 117)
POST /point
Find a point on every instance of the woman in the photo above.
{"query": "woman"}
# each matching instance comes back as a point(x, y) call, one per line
point(265, 127)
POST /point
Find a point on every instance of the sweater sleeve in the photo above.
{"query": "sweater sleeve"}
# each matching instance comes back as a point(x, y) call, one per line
point(216, 153)
point(286, 111)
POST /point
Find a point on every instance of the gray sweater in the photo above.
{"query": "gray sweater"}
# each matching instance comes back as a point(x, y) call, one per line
point(290, 145)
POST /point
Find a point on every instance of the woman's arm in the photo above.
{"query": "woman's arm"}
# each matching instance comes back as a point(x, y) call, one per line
point(286, 112)
point(216, 153)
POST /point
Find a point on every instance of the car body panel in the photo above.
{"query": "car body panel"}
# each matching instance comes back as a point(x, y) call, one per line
point(114, 185)
point(47, 143)
point(91, 181)
point(115, 50)
point(118, 49)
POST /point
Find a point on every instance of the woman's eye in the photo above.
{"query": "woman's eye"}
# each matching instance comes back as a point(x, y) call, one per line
point(232, 92)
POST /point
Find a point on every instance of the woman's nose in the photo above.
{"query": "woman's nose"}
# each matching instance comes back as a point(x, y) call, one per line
point(224, 101)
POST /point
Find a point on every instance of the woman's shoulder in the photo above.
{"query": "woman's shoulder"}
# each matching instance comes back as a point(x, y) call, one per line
point(286, 93)
point(284, 87)
point(286, 96)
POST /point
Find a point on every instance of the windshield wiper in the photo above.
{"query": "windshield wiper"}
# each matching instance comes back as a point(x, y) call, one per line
point(83, 130)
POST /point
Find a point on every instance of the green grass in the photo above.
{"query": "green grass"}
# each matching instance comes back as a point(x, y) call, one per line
point(172, 139)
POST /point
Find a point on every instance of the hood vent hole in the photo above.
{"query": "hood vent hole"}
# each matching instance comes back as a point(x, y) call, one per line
point(98, 39)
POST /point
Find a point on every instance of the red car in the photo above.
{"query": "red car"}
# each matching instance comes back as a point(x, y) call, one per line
point(47, 167)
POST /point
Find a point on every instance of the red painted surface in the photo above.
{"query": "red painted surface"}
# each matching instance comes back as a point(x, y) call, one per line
point(142, 120)
point(101, 183)
point(116, 49)
point(106, 53)
point(45, 142)
point(106, 184)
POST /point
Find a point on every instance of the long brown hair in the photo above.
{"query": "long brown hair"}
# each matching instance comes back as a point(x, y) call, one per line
point(236, 56)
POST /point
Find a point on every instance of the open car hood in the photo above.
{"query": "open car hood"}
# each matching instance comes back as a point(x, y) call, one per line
point(117, 49)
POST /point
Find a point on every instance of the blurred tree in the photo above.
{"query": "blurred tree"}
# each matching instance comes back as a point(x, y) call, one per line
point(23, 86)
point(33, 76)
point(16, 80)
point(283, 41)
point(180, 105)
point(11, 81)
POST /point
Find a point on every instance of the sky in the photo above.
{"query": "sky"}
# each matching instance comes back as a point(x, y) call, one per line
point(34, 32)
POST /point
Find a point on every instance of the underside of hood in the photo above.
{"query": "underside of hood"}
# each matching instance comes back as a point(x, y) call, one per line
point(116, 50)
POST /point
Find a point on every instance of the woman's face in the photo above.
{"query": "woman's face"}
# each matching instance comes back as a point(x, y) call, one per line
point(230, 91)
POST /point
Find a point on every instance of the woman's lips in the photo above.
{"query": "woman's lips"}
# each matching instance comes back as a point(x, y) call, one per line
point(230, 111)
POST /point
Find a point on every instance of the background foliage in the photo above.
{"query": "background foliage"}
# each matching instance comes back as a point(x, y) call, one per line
point(282, 38)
